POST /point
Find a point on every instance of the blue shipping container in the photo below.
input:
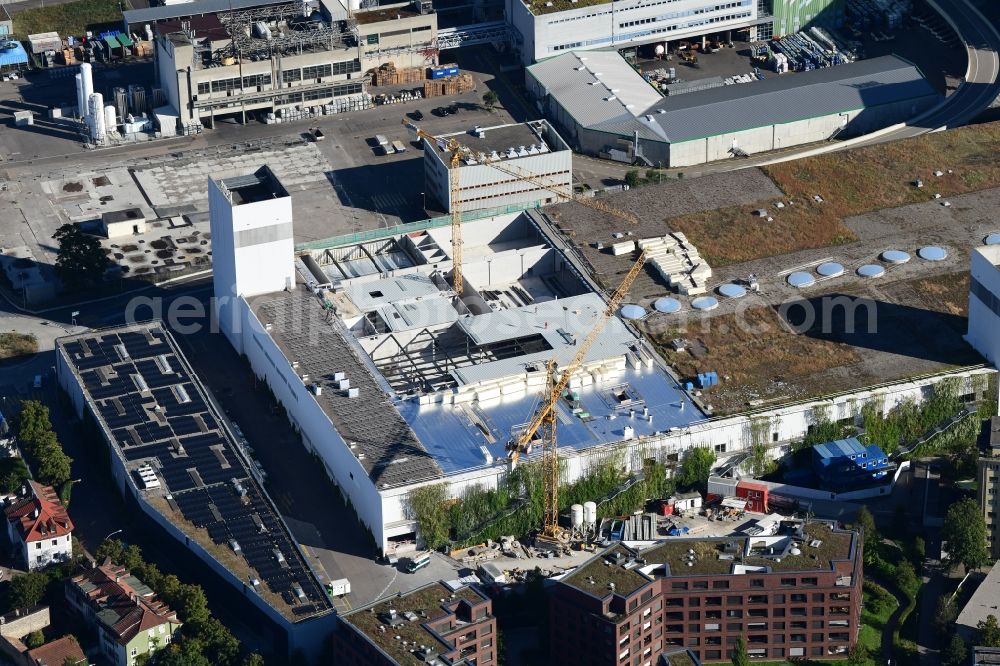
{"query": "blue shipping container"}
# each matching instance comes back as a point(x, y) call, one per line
point(443, 71)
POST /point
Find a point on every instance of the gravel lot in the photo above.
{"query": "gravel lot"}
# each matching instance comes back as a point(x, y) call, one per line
point(920, 307)
point(653, 205)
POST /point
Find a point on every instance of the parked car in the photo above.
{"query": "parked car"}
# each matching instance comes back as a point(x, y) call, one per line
point(318, 134)
point(416, 115)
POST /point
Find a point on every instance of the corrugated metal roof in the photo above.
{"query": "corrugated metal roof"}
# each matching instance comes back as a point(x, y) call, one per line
point(821, 92)
point(198, 7)
point(636, 107)
point(16, 55)
point(595, 86)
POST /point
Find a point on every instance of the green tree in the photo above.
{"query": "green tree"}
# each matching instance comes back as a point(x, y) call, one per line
point(54, 466)
point(696, 469)
point(632, 178)
point(490, 99)
point(945, 614)
point(219, 644)
point(13, 474)
point(191, 605)
point(739, 654)
point(955, 653)
point(906, 577)
point(858, 656)
point(872, 539)
point(81, 261)
point(965, 531)
point(988, 632)
point(761, 463)
point(253, 659)
point(32, 422)
point(34, 639)
point(28, 590)
point(186, 652)
point(427, 506)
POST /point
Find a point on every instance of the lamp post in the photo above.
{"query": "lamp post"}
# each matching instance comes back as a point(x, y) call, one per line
point(112, 534)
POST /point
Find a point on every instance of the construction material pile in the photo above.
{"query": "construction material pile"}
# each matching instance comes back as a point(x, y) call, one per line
point(449, 85)
point(389, 75)
point(675, 258)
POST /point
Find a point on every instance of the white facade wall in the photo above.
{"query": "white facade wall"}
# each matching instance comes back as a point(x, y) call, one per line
point(725, 435)
point(307, 416)
point(623, 23)
point(484, 186)
point(40, 554)
point(984, 303)
point(253, 252)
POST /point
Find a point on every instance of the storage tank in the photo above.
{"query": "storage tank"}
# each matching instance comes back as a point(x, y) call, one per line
point(81, 101)
point(121, 101)
point(87, 78)
point(97, 126)
point(110, 118)
point(590, 513)
point(576, 515)
point(660, 50)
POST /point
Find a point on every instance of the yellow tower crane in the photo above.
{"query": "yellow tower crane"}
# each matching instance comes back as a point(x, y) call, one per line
point(458, 151)
point(544, 421)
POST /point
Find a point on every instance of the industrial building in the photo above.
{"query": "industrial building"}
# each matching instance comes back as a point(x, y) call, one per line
point(394, 382)
point(603, 107)
point(434, 624)
point(490, 174)
point(795, 594)
point(268, 55)
point(988, 482)
point(984, 302)
point(980, 605)
point(173, 455)
point(546, 28)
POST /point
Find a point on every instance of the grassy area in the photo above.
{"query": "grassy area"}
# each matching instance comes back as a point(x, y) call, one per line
point(71, 18)
point(539, 7)
point(878, 605)
point(851, 183)
point(17, 344)
point(752, 349)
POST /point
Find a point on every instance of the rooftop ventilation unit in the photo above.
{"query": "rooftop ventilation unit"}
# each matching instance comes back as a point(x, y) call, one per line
point(140, 383)
point(181, 394)
point(163, 363)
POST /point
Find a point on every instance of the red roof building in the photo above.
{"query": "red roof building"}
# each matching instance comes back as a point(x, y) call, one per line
point(57, 652)
point(38, 523)
point(130, 619)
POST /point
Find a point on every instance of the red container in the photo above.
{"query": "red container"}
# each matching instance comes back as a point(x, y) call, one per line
point(755, 495)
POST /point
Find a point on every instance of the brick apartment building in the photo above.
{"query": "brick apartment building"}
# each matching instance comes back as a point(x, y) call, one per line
point(431, 625)
point(795, 594)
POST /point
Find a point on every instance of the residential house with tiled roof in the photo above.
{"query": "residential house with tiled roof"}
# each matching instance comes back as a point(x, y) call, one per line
point(129, 618)
point(60, 652)
point(38, 525)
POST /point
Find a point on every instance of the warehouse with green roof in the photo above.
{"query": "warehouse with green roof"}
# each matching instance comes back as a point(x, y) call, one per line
point(603, 107)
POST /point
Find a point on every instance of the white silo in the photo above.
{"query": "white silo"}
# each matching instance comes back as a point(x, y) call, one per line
point(576, 515)
point(590, 513)
point(81, 100)
point(110, 118)
point(87, 77)
point(97, 126)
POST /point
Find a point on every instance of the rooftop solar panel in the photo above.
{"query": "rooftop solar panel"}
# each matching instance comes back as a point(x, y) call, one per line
point(164, 420)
